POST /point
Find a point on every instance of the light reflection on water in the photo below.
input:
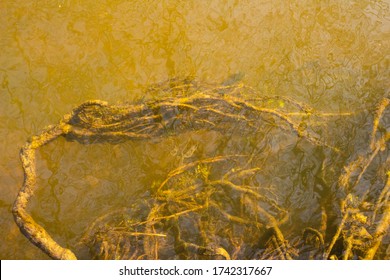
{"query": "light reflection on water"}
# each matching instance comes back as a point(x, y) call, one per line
point(57, 54)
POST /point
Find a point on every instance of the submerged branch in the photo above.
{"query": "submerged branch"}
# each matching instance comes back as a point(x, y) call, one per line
point(205, 210)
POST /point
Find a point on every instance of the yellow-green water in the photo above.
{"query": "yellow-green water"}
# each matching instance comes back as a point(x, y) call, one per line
point(332, 55)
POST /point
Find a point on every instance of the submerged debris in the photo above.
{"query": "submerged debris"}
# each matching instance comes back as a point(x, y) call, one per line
point(213, 208)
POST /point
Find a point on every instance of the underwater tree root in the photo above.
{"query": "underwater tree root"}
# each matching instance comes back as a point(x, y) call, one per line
point(190, 196)
point(361, 233)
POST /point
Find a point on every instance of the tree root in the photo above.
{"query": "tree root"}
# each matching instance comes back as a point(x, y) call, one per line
point(202, 202)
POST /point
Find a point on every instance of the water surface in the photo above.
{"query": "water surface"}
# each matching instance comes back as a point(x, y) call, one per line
point(331, 55)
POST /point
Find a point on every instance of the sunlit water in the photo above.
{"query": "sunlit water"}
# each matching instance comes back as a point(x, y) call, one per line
point(331, 55)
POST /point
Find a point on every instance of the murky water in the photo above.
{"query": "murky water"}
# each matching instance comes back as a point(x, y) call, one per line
point(331, 55)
